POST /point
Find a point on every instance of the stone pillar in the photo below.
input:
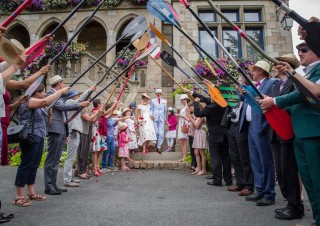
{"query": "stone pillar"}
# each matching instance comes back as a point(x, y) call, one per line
point(111, 39)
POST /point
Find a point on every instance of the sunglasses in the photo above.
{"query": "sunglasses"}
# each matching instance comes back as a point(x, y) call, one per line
point(303, 49)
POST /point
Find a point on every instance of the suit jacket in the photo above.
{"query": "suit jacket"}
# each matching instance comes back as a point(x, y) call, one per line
point(214, 114)
point(58, 115)
point(305, 119)
point(159, 111)
point(275, 91)
point(259, 122)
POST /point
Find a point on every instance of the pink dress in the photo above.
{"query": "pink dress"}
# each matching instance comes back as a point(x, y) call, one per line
point(200, 140)
point(123, 145)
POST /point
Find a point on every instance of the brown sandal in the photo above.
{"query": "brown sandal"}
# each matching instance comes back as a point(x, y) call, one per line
point(37, 197)
point(21, 202)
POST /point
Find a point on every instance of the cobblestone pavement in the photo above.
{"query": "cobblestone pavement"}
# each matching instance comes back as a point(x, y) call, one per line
point(141, 197)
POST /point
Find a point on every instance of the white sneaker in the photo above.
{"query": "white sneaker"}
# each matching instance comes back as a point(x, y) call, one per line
point(114, 169)
point(71, 184)
point(104, 170)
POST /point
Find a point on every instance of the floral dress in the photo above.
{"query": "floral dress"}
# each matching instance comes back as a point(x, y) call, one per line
point(133, 144)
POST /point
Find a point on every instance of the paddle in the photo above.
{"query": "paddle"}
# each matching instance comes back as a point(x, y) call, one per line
point(164, 14)
point(67, 43)
point(144, 54)
point(15, 13)
point(213, 91)
point(38, 47)
point(312, 28)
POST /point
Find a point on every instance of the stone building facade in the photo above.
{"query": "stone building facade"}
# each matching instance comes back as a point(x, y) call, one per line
point(257, 18)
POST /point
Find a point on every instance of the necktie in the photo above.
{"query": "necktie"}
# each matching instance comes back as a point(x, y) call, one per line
point(282, 84)
point(257, 84)
point(159, 100)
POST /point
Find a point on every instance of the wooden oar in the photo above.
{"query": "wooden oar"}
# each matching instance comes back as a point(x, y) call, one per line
point(160, 10)
point(213, 91)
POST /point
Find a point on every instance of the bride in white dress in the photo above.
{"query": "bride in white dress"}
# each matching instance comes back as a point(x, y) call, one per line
point(146, 128)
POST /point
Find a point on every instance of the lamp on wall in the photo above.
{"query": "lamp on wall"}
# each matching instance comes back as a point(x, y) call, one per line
point(287, 22)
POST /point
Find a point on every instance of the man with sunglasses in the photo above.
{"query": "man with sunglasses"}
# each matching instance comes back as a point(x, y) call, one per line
point(306, 124)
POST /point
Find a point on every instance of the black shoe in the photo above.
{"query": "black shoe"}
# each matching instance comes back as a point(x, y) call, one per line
point(218, 184)
point(52, 192)
point(265, 202)
point(209, 177)
point(229, 184)
point(61, 189)
point(254, 197)
point(280, 210)
point(289, 214)
point(2, 221)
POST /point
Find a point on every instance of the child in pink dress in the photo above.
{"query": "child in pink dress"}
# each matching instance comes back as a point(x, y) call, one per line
point(123, 145)
point(172, 124)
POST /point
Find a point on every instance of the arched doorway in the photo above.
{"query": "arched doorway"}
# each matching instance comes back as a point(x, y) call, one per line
point(125, 41)
point(20, 33)
point(61, 35)
point(94, 34)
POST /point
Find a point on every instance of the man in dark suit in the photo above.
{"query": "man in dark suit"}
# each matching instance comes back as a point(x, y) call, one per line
point(285, 161)
point(239, 151)
point(57, 136)
point(259, 144)
point(218, 141)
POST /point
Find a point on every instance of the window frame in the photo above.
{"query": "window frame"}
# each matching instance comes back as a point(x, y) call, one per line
point(215, 30)
point(240, 53)
point(231, 11)
point(252, 11)
point(208, 11)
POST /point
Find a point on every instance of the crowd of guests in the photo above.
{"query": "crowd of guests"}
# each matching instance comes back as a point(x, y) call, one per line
point(236, 137)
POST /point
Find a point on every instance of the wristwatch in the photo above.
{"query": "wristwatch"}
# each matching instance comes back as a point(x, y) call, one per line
point(294, 72)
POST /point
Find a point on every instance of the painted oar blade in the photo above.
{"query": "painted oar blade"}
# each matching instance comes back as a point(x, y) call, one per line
point(34, 86)
point(280, 121)
point(230, 94)
point(250, 97)
point(34, 51)
point(309, 97)
point(216, 95)
point(147, 51)
point(160, 9)
point(158, 33)
point(166, 57)
point(132, 26)
point(173, 11)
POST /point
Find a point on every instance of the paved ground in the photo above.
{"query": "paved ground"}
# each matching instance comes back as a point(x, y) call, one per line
point(154, 197)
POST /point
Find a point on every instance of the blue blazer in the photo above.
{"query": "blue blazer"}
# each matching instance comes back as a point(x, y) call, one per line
point(259, 122)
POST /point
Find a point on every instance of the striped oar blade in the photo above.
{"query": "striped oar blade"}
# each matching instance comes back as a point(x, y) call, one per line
point(34, 86)
point(230, 94)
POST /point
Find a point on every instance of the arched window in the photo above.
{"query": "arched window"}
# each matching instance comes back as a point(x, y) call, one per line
point(20, 33)
point(61, 35)
point(125, 41)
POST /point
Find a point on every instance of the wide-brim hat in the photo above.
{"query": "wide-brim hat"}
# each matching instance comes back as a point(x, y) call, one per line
point(115, 112)
point(10, 49)
point(291, 59)
point(146, 95)
point(125, 110)
point(122, 126)
point(262, 65)
point(72, 93)
point(158, 91)
point(55, 79)
point(184, 96)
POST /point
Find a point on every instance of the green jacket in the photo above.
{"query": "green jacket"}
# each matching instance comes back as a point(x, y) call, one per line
point(305, 119)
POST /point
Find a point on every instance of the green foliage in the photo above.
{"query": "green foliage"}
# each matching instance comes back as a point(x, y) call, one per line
point(180, 91)
point(15, 160)
point(43, 159)
point(189, 159)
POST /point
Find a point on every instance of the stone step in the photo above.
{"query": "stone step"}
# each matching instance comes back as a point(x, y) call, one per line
point(156, 164)
point(168, 156)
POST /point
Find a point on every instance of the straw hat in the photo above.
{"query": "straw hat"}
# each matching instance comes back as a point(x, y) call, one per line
point(125, 110)
point(261, 64)
point(145, 95)
point(291, 59)
point(184, 96)
point(122, 126)
point(158, 90)
point(55, 79)
point(115, 112)
point(10, 49)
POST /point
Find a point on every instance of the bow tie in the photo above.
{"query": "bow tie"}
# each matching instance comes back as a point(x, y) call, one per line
point(257, 84)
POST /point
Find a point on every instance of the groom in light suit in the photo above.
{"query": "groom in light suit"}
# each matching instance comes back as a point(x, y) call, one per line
point(158, 115)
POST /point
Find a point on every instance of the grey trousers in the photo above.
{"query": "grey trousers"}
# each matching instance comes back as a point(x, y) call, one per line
point(72, 147)
point(56, 142)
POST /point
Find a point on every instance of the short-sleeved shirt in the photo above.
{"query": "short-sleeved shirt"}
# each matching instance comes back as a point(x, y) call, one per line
point(111, 124)
point(40, 119)
point(85, 124)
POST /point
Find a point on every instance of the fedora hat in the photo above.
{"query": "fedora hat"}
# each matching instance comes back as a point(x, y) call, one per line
point(158, 90)
point(262, 65)
point(55, 79)
point(184, 96)
point(291, 59)
point(145, 95)
point(10, 49)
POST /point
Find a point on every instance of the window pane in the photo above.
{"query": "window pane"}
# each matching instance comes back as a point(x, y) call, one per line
point(207, 43)
point(231, 41)
point(232, 15)
point(252, 15)
point(256, 34)
point(207, 16)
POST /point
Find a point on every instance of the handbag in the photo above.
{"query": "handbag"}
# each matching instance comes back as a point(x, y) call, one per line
point(19, 133)
point(185, 128)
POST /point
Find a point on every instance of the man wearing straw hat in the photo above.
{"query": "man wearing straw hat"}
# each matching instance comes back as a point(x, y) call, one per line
point(261, 157)
point(57, 136)
point(306, 124)
point(158, 115)
point(285, 161)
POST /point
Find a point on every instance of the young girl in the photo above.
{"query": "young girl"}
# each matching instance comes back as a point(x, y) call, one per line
point(200, 143)
point(123, 145)
point(133, 144)
point(172, 124)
